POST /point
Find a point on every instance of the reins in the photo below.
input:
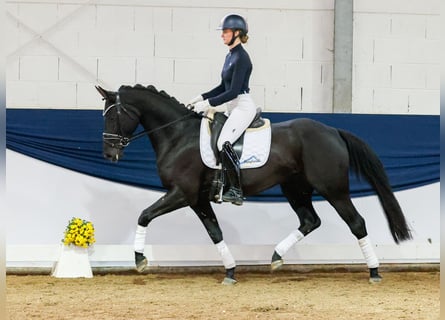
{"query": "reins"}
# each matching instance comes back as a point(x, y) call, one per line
point(145, 132)
point(125, 141)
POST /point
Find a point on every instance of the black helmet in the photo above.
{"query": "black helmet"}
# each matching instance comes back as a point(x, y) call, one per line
point(234, 22)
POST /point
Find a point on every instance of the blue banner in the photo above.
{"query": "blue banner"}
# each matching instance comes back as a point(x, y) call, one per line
point(408, 145)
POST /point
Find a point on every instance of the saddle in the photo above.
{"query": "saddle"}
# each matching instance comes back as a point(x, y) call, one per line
point(219, 118)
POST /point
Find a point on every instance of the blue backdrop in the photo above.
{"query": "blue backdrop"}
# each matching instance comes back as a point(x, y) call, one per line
point(408, 145)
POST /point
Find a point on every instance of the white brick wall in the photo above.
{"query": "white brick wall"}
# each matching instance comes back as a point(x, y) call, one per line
point(396, 57)
point(72, 45)
point(39, 68)
point(69, 70)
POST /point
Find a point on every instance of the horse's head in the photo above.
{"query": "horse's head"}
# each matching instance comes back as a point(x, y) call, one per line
point(120, 121)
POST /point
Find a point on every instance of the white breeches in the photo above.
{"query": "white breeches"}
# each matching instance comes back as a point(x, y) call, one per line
point(241, 111)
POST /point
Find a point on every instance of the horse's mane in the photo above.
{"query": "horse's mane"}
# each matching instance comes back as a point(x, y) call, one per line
point(153, 89)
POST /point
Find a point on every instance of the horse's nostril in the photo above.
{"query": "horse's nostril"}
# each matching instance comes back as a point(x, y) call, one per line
point(108, 156)
point(113, 157)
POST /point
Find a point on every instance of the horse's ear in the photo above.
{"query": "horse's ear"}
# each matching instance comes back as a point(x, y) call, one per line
point(107, 95)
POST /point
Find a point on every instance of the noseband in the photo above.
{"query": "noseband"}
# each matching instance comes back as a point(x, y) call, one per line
point(110, 138)
point(122, 141)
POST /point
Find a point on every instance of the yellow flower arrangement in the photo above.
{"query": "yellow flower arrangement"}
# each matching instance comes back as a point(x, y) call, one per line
point(79, 233)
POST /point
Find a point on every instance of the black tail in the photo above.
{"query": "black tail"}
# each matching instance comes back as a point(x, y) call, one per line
point(365, 163)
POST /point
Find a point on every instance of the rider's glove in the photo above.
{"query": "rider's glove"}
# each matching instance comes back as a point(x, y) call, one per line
point(201, 106)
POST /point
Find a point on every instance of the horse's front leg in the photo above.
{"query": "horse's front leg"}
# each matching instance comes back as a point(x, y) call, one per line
point(172, 200)
point(208, 218)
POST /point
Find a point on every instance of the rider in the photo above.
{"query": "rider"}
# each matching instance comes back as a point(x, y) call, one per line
point(233, 89)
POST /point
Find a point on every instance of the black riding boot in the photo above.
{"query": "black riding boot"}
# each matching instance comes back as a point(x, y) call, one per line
point(232, 174)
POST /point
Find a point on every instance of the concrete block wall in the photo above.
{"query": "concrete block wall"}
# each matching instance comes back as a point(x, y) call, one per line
point(396, 57)
point(58, 50)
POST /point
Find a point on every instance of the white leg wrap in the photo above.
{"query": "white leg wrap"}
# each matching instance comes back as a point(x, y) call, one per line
point(226, 256)
point(368, 252)
point(139, 239)
point(288, 242)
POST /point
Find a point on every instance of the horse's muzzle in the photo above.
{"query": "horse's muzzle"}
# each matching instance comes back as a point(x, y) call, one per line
point(112, 154)
point(112, 158)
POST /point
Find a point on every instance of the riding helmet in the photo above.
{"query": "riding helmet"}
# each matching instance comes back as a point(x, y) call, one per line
point(234, 22)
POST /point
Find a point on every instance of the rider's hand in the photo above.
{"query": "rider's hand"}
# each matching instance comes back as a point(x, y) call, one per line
point(201, 106)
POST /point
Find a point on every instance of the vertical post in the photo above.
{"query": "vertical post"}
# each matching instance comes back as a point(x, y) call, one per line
point(2, 98)
point(3, 312)
point(342, 93)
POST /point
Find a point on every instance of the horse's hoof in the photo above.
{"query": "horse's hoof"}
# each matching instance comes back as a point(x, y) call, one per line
point(141, 262)
point(375, 279)
point(229, 281)
point(374, 276)
point(276, 264)
point(140, 267)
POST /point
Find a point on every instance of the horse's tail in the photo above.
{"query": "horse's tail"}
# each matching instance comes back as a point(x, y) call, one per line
point(365, 163)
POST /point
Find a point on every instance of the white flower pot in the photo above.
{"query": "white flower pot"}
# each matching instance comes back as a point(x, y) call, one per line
point(73, 263)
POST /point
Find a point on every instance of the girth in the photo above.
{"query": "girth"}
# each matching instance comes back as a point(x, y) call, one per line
point(219, 118)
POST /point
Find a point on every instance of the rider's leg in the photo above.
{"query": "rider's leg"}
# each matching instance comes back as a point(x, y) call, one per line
point(242, 114)
point(231, 171)
point(243, 111)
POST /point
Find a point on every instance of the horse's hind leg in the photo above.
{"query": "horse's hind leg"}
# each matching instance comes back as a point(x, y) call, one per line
point(299, 195)
point(208, 219)
point(356, 224)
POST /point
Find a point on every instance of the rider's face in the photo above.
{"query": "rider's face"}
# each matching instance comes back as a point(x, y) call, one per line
point(227, 35)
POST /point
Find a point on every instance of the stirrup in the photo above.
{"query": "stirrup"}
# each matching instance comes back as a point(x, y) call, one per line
point(233, 195)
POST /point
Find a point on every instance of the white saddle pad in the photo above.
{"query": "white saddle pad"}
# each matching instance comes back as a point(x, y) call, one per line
point(256, 147)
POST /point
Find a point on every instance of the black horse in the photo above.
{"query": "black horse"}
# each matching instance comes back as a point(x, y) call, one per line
point(305, 156)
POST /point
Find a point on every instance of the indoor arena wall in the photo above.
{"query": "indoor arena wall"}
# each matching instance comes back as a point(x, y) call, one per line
point(58, 50)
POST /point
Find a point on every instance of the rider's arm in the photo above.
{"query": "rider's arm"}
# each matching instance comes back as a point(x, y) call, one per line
point(214, 92)
point(240, 72)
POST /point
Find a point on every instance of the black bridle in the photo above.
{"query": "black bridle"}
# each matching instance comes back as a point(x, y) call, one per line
point(122, 141)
